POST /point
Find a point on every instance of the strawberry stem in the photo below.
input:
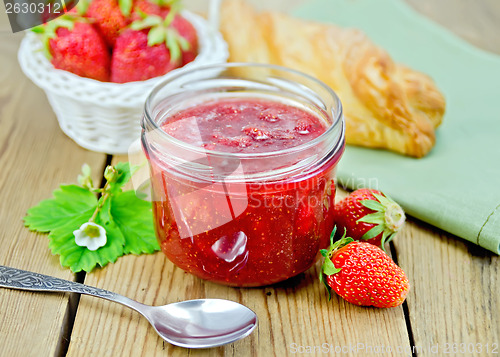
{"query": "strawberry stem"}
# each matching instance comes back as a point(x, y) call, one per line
point(387, 218)
point(342, 242)
point(161, 31)
point(48, 30)
point(394, 217)
point(328, 268)
point(165, 2)
point(125, 7)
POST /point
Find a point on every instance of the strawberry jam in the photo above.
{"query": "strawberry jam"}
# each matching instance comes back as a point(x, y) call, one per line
point(242, 184)
point(244, 126)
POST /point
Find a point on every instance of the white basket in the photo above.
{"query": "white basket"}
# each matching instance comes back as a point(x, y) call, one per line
point(105, 116)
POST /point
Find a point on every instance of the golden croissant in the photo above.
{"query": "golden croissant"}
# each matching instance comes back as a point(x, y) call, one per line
point(386, 105)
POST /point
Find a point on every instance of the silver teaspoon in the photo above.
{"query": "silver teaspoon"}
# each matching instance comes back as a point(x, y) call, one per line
point(201, 323)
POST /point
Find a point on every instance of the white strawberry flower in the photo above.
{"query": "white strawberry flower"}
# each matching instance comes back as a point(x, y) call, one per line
point(90, 235)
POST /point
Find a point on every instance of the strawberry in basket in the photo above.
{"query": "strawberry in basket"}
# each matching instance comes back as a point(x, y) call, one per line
point(121, 40)
point(162, 8)
point(110, 17)
point(187, 31)
point(150, 48)
point(73, 44)
point(153, 7)
point(79, 46)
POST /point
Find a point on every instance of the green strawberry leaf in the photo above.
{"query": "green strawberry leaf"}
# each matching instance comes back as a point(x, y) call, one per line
point(329, 268)
point(141, 13)
point(375, 218)
point(70, 201)
point(174, 10)
point(156, 36)
point(386, 238)
point(165, 2)
point(185, 45)
point(48, 30)
point(62, 242)
point(173, 45)
point(82, 7)
point(133, 216)
point(125, 7)
point(127, 220)
point(385, 201)
point(38, 29)
point(161, 32)
point(325, 283)
point(147, 22)
point(373, 205)
point(65, 22)
point(372, 233)
point(125, 172)
point(342, 242)
point(332, 235)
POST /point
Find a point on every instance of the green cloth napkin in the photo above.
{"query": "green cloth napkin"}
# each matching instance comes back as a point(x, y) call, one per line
point(457, 186)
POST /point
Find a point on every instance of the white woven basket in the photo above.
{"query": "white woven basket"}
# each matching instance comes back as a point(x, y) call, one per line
point(105, 116)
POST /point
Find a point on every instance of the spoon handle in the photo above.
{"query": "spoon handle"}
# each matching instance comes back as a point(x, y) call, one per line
point(26, 280)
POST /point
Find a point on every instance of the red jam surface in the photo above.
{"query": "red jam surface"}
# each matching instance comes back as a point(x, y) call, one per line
point(237, 233)
point(244, 126)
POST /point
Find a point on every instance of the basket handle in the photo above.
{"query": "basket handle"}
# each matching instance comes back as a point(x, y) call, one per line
point(214, 15)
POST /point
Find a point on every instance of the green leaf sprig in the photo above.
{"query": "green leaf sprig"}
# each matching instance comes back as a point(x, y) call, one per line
point(127, 219)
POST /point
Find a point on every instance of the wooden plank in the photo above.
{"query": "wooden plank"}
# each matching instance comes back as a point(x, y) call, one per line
point(35, 157)
point(293, 315)
point(455, 297)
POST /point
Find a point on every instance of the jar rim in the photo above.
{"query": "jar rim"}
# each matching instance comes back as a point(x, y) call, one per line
point(338, 111)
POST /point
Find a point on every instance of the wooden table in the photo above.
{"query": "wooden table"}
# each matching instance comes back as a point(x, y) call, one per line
point(455, 285)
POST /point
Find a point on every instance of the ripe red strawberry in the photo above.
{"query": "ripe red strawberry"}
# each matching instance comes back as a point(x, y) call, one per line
point(110, 16)
point(153, 7)
point(149, 49)
point(169, 10)
point(188, 32)
point(369, 215)
point(363, 274)
point(74, 45)
point(134, 60)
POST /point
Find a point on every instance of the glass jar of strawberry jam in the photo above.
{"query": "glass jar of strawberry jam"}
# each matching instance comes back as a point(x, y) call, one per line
point(242, 160)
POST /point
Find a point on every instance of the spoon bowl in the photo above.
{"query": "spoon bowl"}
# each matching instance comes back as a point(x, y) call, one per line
point(201, 323)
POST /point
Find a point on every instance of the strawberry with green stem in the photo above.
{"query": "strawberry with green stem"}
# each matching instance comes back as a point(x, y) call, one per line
point(185, 29)
point(154, 7)
point(110, 16)
point(369, 215)
point(362, 274)
point(71, 43)
point(150, 48)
